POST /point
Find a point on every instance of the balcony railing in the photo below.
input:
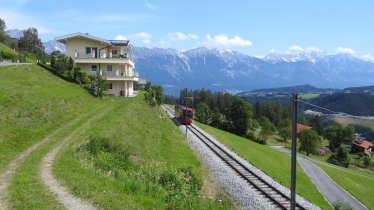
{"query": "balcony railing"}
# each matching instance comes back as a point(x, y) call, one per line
point(119, 74)
point(103, 55)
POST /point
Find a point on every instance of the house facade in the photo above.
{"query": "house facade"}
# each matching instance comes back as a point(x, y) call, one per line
point(109, 58)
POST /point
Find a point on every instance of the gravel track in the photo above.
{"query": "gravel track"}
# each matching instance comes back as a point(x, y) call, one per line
point(10, 170)
point(246, 196)
point(45, 171)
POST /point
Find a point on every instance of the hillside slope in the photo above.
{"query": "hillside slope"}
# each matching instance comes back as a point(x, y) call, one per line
point(120, 152)
point(34, 102)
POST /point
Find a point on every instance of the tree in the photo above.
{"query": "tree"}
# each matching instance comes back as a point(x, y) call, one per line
point(266, 128)
point(240, 114)
point(203, 113)
point(340, 157)
point(31, 43)
point(338, 134)
point(284, 129)
point(309, 141)
point(2, 26)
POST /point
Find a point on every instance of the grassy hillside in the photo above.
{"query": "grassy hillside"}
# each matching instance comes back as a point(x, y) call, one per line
point(272, 162)
point(130, 156)
point(9, 54)
point(33, 103)
point(148, 179)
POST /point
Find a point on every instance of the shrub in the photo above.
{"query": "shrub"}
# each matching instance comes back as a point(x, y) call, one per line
point(108, 155)
point(367, 161)
point(339, 205)
point(340, 158)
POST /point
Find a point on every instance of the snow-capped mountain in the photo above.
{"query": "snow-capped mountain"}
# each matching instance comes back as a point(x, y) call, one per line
point(53, 45)
point(226, 70)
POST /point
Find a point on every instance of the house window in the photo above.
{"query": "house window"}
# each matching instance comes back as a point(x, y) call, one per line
point(93, 68)
point(88, 50)
point(110, 86)
point(109, 68)
point(115, 52)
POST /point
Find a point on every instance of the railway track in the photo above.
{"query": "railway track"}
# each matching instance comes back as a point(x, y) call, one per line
point(278, 199)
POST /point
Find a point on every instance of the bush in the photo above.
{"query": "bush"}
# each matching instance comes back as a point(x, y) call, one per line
point(108, 156)
point(340, 158)
point(180, 183)
point(366, 161)
point(339, 205)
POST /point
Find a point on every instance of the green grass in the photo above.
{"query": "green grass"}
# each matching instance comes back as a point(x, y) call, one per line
point(354, 121)
point(272, 162)
point(8, 53)
point(360, 187)
point(154, 144)
point(35, 103)
point(309, 95)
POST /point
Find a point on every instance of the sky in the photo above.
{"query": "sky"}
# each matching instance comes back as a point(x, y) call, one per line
point(251, 27)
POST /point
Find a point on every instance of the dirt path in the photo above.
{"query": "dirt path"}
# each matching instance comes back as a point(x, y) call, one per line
point(46, 176)
point(10, 170)
point(7, 175)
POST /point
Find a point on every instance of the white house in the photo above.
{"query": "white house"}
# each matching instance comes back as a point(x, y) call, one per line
point(109, 58)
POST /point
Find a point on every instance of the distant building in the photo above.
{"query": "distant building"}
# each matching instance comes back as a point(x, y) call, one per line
point(109, 58)
point(301, 127)
point(361, 144)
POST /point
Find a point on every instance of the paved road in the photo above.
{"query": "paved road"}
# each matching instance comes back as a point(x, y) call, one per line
point(13, 64)
point(330, 190)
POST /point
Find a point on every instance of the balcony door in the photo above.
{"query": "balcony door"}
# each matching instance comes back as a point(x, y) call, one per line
point(94, 52)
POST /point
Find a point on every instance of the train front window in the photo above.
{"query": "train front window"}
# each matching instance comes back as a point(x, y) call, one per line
point(189, 114)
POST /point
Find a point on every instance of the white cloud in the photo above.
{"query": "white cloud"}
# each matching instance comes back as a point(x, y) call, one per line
point(149, 5)
point(142, 36)
point(120, 37)
point(368, 57)
point(345, 50)
point(295, 48)
point(179, 36)
point(298, 48)
point(223, 40)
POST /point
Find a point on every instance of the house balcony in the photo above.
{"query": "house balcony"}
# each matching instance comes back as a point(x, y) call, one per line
point(121, 76)
point(105, 57)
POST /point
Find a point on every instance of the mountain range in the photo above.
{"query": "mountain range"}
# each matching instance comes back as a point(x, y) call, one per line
point(225, 70)
point(231, 71)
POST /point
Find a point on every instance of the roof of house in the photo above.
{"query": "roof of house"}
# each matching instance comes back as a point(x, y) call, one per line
point(301, 127)
point(64, 38)
point(363, 143)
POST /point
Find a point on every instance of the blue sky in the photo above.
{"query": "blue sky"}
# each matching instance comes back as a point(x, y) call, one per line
point(251, 27)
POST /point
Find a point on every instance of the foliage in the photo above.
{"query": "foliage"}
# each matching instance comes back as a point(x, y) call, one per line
point(203, 113)
point(366, 161)
point(339, 205)
point(96, 85)
point(227, 112)
point(309, 141)
point(240, 115)
point(107, 155)
point(266, 128)
point(31, 43)
point(338, 134)
point(340, 158)
point(284, 129)
point(352, 103)
point(154, 95)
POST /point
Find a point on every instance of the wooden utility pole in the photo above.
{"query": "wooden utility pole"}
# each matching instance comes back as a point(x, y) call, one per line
point(293, 150)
